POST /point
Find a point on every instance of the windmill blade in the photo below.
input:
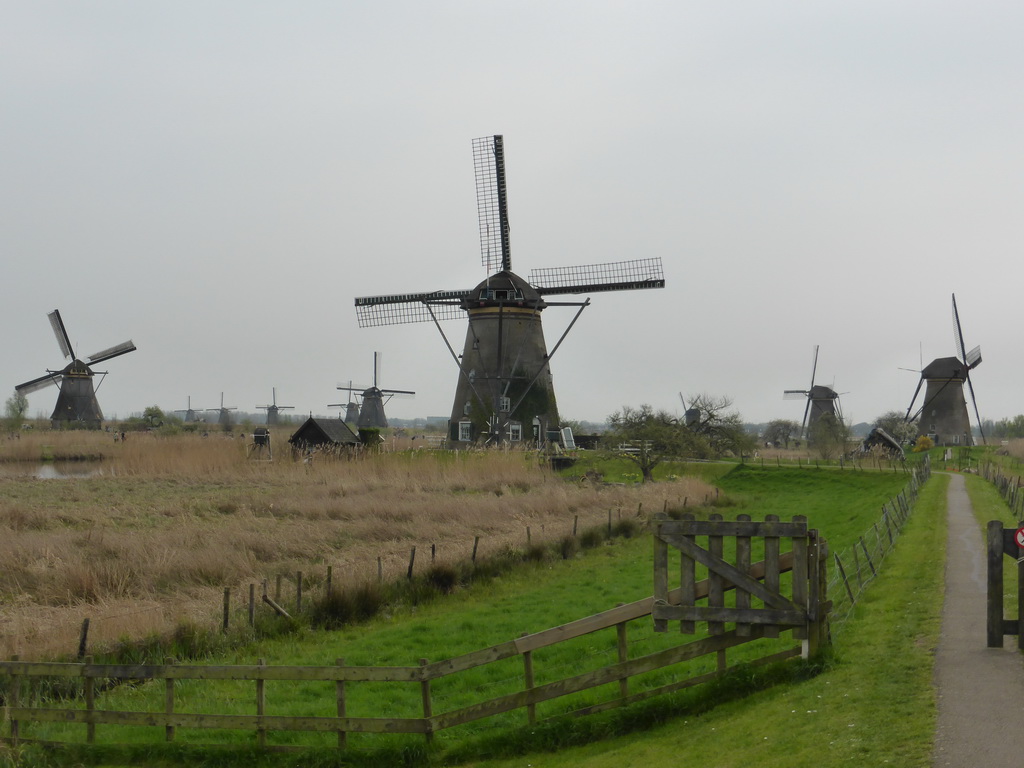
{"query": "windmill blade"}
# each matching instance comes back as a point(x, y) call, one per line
point(492, 203)
point(397, 392)
point(958, 334)
point(807, 410)
point(913, 399)
point(118, 349)
point(814, 367)
point(973, 358)
point(61, 333)
point(795, 394)
point(593, 278)
point(36, 384)
point(974, 402)
point(350, 388)
point(401, 308)
point(376, 368)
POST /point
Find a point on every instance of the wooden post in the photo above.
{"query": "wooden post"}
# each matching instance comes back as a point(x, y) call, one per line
point(298, 592)
point(867, 556)
point(428, 711)
point(227, 607)
point(801, 593)
point(277, 588)
point(252, 605)
point(330, 578)
point(169, 700)
point(575, 525)
point(83, 639)
point(995, 585)
point(687, 584)
point(531, 708)
point(261, 706)
point(623, 648)
point(846, 581)
point(772, 548)
point(340, 693)
point(476, 543)
point(15, 696)
point(412, 559)
point(528, 536)
point(90, 702)
point(742, 565)
point(380, 570)
point(433, 552)
point(716, 585)
point(660, 574)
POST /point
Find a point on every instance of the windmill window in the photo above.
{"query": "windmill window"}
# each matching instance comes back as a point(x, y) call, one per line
point(505, 404)
point(502, 294)
point(467, 408)
point(515, 433)
point(465, 431)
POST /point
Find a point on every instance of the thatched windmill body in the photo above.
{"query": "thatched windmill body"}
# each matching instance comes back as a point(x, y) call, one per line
point(943, 413)
point(371, 409)
point(273, 409)
point(505, 392)
point(76, 402)
point(822, 401)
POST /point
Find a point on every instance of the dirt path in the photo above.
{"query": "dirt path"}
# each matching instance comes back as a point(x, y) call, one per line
point(980, 690)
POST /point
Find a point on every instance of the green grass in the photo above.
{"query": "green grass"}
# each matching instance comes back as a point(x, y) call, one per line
point(841, 504)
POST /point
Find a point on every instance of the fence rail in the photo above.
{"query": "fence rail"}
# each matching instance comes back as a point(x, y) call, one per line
point(93, 677)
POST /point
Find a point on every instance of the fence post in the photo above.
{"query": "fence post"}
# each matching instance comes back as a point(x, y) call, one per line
point(716, 585)
point(846, 581)
point(261, 706)
point(330, 578)
point(867, 556)
point(298, 592)
point(227, 607)
point(995, 584)
point(742, 565)
point(428, 711)
point(90, 702)
point(623, 648)
point(531, 708)
point(476, 543)
point(169, 700)
point(772, 547)
point(252, 604)
point(340, 692)
point(15, 695)
point(412, 559)
point(83, 638)
point(661, 573)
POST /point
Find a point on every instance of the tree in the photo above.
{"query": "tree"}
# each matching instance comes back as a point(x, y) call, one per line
point(896, 424)
point(829, 435)
point(719, 427)
point(14, 410)
point(780, 431)
point(647, 437)
point(153, 416)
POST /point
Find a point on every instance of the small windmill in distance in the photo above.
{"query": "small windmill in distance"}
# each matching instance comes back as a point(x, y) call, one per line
point(273, 408)
point(943, 413)
point(76, 402)
point(371, 412)
point(822, 401)
point(223, 413)
point(190, 414)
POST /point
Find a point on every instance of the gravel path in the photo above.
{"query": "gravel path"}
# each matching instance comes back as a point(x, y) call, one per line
point(980, 690)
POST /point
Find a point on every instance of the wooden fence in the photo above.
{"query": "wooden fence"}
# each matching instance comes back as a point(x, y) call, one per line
point(1003, 542)
point(806, 559)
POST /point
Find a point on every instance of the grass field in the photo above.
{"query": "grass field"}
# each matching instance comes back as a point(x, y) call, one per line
point(756, 727)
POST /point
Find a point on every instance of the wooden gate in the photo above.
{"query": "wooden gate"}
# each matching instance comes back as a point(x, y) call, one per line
point(1002, 542)
point(758, 604)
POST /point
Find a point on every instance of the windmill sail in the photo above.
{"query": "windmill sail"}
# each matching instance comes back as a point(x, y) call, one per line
point(61, 333)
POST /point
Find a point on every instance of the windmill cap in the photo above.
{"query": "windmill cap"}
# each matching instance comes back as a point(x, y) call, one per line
point(504, 286)
point(945, 368)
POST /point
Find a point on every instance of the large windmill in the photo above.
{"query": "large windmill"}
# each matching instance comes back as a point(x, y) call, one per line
point(504, 388)
point(273, 408)
point(943, 413)
point(76, 403)
point(224, 412)
point(822, 401)
point(371, 411)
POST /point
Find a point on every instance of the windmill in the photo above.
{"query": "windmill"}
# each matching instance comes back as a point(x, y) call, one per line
point(190, 414)
point(943, 412)
point(351, 415)
point(76, 402)
point(273, 408)
point(504, 385)
point(223, 413)
point(371, 411)
point(822, 401)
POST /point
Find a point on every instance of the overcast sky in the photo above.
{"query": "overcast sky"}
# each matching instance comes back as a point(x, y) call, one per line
point(218, 180)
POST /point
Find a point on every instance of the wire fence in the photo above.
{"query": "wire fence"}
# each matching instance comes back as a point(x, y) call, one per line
point(858, 566)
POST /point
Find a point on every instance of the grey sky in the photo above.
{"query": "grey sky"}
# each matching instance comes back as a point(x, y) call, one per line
point(218, 181)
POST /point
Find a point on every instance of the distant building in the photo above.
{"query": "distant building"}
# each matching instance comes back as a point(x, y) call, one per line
point(315, 433)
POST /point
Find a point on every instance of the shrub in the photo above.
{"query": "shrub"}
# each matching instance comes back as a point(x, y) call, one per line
point(924, 443)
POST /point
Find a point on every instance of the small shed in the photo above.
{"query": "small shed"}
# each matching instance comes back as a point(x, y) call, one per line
point(879, 437)
point(316, 433)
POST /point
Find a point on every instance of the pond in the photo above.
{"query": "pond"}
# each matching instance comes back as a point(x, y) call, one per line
point(50, 470)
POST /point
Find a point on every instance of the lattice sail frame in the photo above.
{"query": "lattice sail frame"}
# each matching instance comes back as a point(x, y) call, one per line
point(492, 203)
point(590, 278)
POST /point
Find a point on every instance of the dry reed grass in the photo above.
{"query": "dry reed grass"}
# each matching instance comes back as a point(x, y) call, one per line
point(172, 521)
